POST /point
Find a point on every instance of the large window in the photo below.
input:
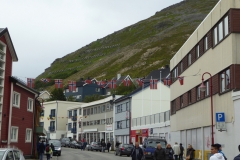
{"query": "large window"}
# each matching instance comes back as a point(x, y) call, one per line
point(30, 104)
point(14, 134)
point(221, 30)
point(28, 135)
point(225, 80)
point(189, 59)
point(16, 99)
point(197, 52)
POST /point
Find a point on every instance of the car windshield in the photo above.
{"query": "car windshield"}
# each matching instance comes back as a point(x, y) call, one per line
point(1, 154)
point(153, 143)
point(127, 146)
point(56, 143)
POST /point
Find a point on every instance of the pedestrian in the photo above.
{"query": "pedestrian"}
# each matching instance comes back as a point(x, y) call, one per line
point(53, 148)
point(40, 149)
point(176, 149)
point(103, 146)
point(117, 144)
point(220, 150)
point(108, 146)
point(159, 153)
point(48, 151)
point(137, 152)
point(169, 152)
point(84, 145)
point(216, 155)
point(181, 152)
point(190, 153)
point(237, 157)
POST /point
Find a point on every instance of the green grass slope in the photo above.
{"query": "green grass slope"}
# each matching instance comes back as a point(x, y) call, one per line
point(135, 50)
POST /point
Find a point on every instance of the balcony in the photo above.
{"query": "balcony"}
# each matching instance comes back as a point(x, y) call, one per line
point(74, 118)
point(74, 130)
point(52, 117)
point(51, 128)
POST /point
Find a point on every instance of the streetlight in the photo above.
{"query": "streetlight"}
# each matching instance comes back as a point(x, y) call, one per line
point(203, 88)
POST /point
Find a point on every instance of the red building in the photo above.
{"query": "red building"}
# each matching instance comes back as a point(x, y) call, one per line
point(139, 135)
point(18, 104)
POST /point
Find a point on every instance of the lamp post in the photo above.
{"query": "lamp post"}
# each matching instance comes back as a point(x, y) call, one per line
point(203, 88)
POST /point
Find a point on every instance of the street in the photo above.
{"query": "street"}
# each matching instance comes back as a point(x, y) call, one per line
point(74, 154)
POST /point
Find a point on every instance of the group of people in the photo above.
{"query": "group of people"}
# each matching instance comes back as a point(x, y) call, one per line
point(104, 145)
point(41, 148)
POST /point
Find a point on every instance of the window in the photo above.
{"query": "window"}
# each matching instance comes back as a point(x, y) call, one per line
point(84, 123)
point(118, 109)
point(80, 111)
point(16, 155)
point(181, 101)
point(84, 112)
point(42, 113)
point(215, 36)
point(225, 80)
point(14, 134)
point(69, 126)
point(103, 121)
point(220, 31)
point(207, 89)
point(28, 135)
point(9, 156)
point(206, 43)
point(75, 113)
point(95, 110)
point(16, 99)
point(30, 104)
point(99, 109)
point(197, 52)
point(189, 97)
point(226, 29)
point(53, 112)
point(98, 89)
point(111, 107)
point(127, 106)
point(1, 47)
point(88, 111)
point(181, 67)
point(91, 110)
point(98, 122)
point(69, 114)
point(175, 73)
point(189, 59)
point(198, 93)
point(41, 124)
point(173, 107)
point(119, 124)
point(107, 120)
point(103, 108)
point(52, 124)
point(127, 123)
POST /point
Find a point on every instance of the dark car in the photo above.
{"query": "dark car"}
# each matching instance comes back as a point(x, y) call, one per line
point(57, 147)
point(95, 146)
point(124, 149)
point(65, 142)
point(79, 145)
point(150, 145)
point(75, 144)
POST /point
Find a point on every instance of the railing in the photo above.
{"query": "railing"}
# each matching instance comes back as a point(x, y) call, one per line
point(74, 118)
point(74, 130)
point(52, 117)
point(51, 128)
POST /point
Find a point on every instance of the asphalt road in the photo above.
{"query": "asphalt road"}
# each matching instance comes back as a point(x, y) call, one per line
point(75, 154)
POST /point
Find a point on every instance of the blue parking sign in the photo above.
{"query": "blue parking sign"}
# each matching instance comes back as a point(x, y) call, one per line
point(220, 117)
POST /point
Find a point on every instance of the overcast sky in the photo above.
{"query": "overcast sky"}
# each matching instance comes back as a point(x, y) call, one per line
point(43, 30)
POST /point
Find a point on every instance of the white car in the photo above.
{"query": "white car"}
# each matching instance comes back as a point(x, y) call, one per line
point(11, 153)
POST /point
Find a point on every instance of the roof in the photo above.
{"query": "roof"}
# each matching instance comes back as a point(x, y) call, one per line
point(23, 84)
point(4, 32)
point(156, 73)
point(42, 92)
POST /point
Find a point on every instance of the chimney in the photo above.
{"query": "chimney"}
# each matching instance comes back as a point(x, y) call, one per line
point(118, 76)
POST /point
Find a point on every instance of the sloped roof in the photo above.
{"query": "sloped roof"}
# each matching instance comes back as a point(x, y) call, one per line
point(156, 74)
point(4, 32)
point(23, 84)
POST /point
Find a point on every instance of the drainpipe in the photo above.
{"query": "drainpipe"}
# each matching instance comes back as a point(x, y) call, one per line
point(10, 116)
point(34, 121)
point(56, 117)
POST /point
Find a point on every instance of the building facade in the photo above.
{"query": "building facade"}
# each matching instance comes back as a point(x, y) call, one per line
point(54, 118)
point(213, 48)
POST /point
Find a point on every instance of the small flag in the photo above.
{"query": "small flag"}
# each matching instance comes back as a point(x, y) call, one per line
point(126, 82)
point(30, 82)
point(101, 83)
point(112, 84)
point(181, 80)
point(58, 83)
point(72, 85)
point(88, 81)
point(45, 80)
point(167, 82)
point(153, 83)
point(140, 81)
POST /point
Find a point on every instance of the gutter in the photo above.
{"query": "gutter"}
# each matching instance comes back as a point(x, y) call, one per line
point(56, 116)
point(10, 116)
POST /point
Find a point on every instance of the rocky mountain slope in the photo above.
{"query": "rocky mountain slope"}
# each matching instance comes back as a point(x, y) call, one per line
point(135, 50)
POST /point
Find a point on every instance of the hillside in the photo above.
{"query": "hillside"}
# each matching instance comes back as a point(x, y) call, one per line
point(135, 50)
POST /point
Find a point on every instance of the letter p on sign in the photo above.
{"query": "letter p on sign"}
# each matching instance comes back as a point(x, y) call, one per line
point(220, 117)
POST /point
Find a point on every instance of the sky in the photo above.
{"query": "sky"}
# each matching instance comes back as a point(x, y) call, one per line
point(43, 30)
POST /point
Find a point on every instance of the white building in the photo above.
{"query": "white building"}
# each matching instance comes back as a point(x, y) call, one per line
point(45, 95)
point(55, 118)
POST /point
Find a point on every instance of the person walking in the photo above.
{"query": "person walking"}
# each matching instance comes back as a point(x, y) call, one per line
point(237, 157)
point(48, 151)
point(103, 146)
point(53, 148)
point(190, 153)
point(40, 149)
point(216, 155)
point(108, 146)
point(177, 151)
point(137, 152)
point(169, 152)
point(181, 152)
point(220, 150)
point(84, 145)
point(159, 153)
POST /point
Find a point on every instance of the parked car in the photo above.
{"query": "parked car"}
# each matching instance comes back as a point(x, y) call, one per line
point(65, 142)
point(150, 145)
point(57, 147)
point(95, 146)
point(79, 145)
point(10, 153)
point(124, 149)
